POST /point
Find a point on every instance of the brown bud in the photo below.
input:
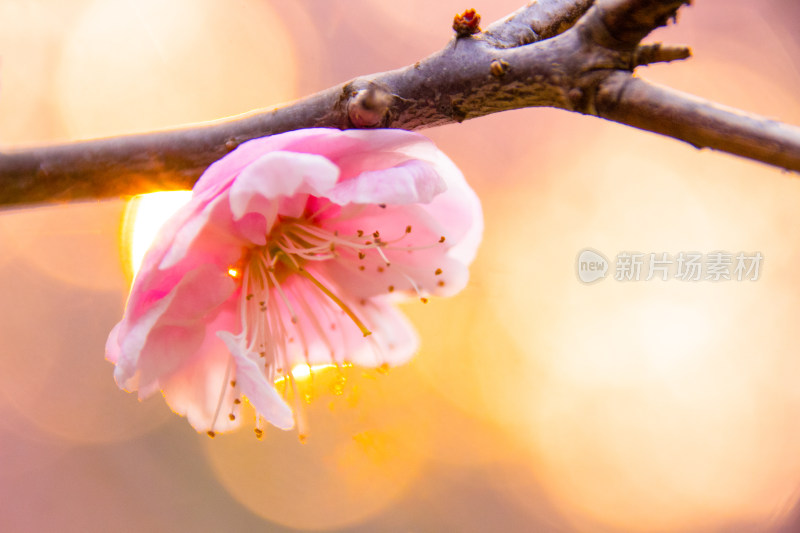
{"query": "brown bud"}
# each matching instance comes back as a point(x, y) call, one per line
point(367, 107)
point(467, 23)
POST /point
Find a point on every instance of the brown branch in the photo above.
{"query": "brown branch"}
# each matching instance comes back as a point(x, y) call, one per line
point(577, 55)
point(647, 54)
point(699, 122)
point(536, 22)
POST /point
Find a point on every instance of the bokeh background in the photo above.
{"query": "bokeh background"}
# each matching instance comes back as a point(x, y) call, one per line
point(536, 403)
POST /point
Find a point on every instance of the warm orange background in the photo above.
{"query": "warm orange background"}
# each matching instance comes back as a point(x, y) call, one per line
point(536, 403)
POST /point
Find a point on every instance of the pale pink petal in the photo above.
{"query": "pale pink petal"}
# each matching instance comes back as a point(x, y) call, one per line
point(418, 260)
point(112, 345)
point(459, 208)
point(202, 384)
point(355, 151)
point(409, 182)
point(335, 145)
point(171, 329)
point(277, 175)
point(195, 392)
point(222, 173)
point(251, 381)
point(455, 214)
point(210, 235)
point(393, 341)
point(444, 276)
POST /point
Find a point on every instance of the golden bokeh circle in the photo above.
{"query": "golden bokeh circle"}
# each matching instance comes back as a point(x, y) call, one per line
point(137, 66)
point(354, 463)
point(652, 401)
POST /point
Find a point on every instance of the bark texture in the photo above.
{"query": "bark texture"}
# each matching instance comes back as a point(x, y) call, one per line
point(577, 55)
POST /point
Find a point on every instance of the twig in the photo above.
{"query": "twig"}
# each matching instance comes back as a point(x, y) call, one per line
point(577, 55)
point(699, 122)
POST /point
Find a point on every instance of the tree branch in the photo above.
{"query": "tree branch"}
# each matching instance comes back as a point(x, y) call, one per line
point(699, 122)
point(577, 55)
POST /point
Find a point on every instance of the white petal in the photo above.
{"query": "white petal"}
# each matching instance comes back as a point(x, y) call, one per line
point(253, 384)
point(278, 175)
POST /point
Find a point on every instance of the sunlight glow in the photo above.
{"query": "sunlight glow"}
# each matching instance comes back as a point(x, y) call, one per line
point(303, 371)
point(145, 216)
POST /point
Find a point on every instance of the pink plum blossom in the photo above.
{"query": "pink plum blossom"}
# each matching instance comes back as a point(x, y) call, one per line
point(291, 251)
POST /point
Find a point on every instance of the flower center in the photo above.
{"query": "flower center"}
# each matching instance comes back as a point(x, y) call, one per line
point(268, 298)
point(292, 246)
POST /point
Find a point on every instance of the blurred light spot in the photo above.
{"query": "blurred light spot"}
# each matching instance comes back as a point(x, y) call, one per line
point(48, 239)
point(464, 350)
point(136, 66)
point(407, 18)
point(668, 388)
point(53, 372)
point(354, 463)
point(303, 372)
point(30, 30)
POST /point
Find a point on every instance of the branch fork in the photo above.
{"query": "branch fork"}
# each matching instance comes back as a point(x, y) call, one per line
point(577, 55)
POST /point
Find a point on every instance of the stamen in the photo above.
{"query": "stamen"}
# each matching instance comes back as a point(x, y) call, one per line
point(221, 395)
point(415, 287)
point(283, 296)
point(276, 362)
point(299, 412)
point(383, 255)
point(323, 334)
point(303, 272)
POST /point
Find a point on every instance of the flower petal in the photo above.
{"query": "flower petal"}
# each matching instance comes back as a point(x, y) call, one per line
point(202, 382)
point(260, 392)
point(157, 341)
point(393, 340)
point(277, 175)
point(208, 236)
point(409, 182)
